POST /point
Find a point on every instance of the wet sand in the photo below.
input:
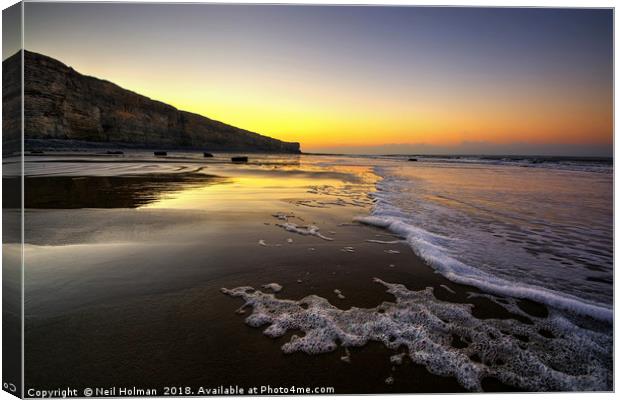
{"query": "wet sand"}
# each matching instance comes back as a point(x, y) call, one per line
point(131, 296)
point(178, 328)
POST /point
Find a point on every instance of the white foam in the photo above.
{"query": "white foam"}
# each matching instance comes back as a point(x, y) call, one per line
point(397, 358)
point(382, 241)
point(282, 216)
point(392, 251)
point(311, 230)
point(425, 245)
point(347, 356)
point(264, 243)
point(275, 287)
point(448, 289)
point(513, 352)
point(478, 237)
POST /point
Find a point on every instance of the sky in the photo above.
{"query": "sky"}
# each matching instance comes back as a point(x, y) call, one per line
point(11, 30)
point(357, 79)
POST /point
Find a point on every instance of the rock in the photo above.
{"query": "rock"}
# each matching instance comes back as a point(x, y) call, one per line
point(160, 153)
point(61, 104)
point(239, 159)
point(12, 105)
point(207, 155)
point(413, 159)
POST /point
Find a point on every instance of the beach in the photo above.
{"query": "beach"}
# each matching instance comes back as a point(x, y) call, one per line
point(136, 268)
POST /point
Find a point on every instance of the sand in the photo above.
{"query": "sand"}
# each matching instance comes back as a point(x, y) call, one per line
point(131, 295)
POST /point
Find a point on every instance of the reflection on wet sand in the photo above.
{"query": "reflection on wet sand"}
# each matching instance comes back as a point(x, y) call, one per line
point(125, 191)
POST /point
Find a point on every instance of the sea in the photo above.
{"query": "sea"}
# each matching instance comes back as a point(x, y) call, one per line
point(530, 227)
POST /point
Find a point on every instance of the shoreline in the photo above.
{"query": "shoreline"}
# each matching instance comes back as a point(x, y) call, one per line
point(139, 289)
point(466, 275)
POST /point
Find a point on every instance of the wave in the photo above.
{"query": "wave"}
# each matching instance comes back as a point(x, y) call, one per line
point(434, 249)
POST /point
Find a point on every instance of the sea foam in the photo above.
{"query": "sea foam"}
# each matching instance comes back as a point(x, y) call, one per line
point(424, 244)
point(566, 357)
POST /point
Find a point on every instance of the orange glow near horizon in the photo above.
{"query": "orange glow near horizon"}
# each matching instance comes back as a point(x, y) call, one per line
point(317, 119)
point(331, 77)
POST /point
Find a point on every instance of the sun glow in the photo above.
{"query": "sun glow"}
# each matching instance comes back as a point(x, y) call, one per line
point(338, 77)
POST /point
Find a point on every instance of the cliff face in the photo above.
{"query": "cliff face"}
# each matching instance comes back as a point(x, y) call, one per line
point(11, 105)
point(60, 103)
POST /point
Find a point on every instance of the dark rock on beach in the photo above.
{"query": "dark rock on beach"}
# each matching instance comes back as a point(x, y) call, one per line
point(62, 104)
point(239, 159)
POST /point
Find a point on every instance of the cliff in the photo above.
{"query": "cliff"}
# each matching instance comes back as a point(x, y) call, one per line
point(11, 105)
point(62, 104)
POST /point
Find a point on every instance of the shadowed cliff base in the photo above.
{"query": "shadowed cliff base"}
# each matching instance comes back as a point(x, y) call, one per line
point(62, 104)
point(71, 145)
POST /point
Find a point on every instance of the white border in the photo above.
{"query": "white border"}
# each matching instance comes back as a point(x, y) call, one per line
point(480, 3)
